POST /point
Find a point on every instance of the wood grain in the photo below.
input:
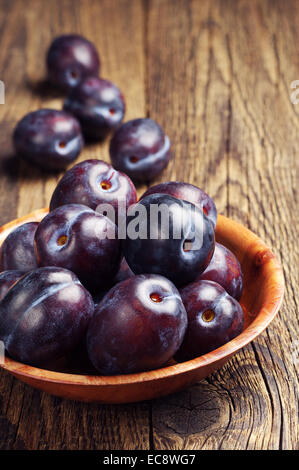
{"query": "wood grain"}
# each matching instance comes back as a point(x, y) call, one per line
point(261, 299)
point(216, 75)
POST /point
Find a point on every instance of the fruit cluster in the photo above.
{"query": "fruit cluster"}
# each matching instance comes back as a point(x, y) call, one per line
point(93, 108)
point(128, 284)
point(71, 281)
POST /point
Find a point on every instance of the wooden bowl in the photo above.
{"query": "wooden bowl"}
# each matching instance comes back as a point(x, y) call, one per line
point(261, 299)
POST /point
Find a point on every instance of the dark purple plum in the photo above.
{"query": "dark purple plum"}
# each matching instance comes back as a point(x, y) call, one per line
point(48, 138)
point(44, 315)
point(214, 318)
point(7, 280)
point(70, 59)
point(94, 182)
point(99, 106)
point(17, 250)
point(187, 192)
point(77, 238)
point(138, 326)
point(177, 245)
point(140, 149)
point(123, 273)
point(225, 269)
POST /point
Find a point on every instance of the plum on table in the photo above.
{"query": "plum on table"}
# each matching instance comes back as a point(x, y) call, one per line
point(94, 182)
point(140, 149)
point(48, 138)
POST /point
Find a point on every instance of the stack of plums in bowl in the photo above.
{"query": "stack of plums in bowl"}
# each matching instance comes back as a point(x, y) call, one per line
point(129, 284)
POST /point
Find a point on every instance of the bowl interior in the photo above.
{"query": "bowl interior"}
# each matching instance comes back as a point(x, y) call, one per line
point(261, 298)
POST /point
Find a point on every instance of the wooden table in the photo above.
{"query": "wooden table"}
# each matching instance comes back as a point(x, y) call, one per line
point(217, 76)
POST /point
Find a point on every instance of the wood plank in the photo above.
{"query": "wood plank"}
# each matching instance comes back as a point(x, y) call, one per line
point(264, 127)
point(222, 90)
point(30, 419)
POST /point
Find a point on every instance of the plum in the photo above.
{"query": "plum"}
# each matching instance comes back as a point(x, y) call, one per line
point(99, 106)
point(75, 237)
point(70, 59)
point(214, 318)
point(48, 138)
point(187, 192)
point(94, 182)
point(177, 245)
point(17, 250)
point(140, 149)
point(225, 269)
point(138, 326)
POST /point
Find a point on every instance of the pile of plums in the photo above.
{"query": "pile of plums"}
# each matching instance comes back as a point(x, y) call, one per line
point(93, 109)
point(81, 283)
point(102, 276)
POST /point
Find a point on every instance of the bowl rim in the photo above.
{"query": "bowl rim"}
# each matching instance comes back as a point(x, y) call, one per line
point(258, 325)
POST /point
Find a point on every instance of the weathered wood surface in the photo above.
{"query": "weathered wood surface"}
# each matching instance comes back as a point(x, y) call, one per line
point(217, 76)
